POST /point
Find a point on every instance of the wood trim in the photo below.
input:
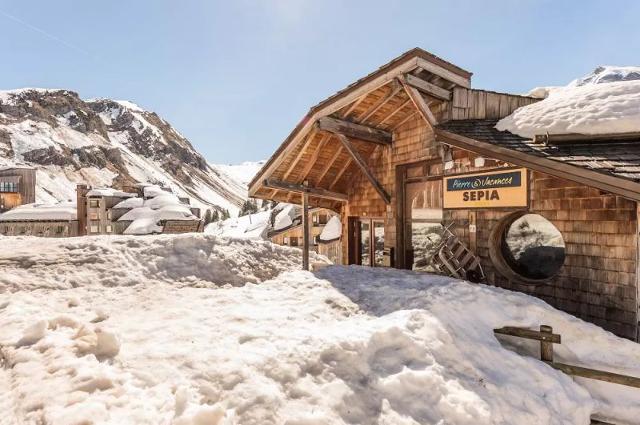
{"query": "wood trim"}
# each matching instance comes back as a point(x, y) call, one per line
point(314, 157)
point(404, 120)
point(298, 188)
point(305, 230)
point(330, 164)
point(625, 188)
point(428, 88)
point(444, 73)
point(420, 103)
point(395, 88)
point(355, 155)
point(355, 131)
point(395, 111)
point(340, 173)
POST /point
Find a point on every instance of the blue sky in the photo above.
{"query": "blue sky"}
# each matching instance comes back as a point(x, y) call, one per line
point(236, 76)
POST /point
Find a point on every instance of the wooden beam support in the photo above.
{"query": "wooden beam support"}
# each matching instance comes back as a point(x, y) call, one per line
point(395, 88)
point(299, 188)
point(428, 88)
point(355, 155)
point(419, 102)
point(355, 131)
point(305, 229)
point(404, 120)
point(353, 106)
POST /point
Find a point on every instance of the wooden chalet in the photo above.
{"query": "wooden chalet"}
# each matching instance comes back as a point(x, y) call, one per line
point(410, 158)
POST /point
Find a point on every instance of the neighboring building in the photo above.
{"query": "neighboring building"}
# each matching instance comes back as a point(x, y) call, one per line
point(100, 214)
point(17, 187)
point(288, 231)
point(411, 158)
point(53, 221)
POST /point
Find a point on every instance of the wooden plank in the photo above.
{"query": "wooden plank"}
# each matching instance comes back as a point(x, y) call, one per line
point(528, 334)
point(357, 158)
point(394, 112)
point(611, 184)
point(336, 179)
point(305, 230)
point(546, 347)
point(354, 105)
point(600, 375)
point(404, 120)
point(420, 104)
point(314, 157)
point(428, 88)
point(380, 103)
point(329, 164)
point(355, 131)
point(295, 161)
point(444, 73)
point(298, 188)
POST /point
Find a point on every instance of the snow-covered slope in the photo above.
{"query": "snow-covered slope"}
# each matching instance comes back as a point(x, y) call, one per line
point(161, 330)
point(604, 101)
point(103, 143)
point(242, 173)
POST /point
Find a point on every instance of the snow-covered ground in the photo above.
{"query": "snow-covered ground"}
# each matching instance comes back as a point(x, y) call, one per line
point(243, 172)
point(604, 101)
point(164, 330)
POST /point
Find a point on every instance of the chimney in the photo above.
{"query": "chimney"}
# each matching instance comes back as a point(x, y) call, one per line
point(81, 205)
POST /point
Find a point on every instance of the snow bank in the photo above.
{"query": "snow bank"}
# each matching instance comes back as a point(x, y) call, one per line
point(590, 105)
point(345, 345)
point(116, 261)
point(60, 211)
point(252, 226)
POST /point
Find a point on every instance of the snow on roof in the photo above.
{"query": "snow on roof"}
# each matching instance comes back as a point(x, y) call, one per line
point(590, 105)
point(252, 226)
point(332, 230)
point(162, 200)
point(108, 191)
point(147, 218)
point(60, 211)
point(151, 191)
point(135, 202)
point(285, 217)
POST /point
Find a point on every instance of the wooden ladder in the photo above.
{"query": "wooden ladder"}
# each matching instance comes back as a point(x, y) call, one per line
point(453, 258)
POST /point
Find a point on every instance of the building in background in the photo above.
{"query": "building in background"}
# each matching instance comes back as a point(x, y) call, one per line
point(17, 187)
point(51, 221)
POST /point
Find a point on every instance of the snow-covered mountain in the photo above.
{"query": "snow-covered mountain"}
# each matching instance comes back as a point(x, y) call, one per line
point(104, 142)
point(242, 173)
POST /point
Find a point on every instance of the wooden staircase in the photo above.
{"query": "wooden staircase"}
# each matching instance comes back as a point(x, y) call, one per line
point(453, 258)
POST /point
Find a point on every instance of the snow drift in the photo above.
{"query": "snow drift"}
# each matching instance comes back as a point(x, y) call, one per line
point(605, 101)
point(153, 330)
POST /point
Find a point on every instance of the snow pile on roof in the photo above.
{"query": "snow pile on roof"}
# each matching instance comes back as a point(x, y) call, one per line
point(130, 203)
point(591, 105)
point(60, 211)
point(108, 191)
point(144, 334)
point(152, 190)
point(286, 215)
point(247, 226)
point(148, 218)
point(332, 230)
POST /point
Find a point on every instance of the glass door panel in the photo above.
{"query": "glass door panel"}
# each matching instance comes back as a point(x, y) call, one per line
point(378, 243)
point(423, 222)
point(365, 243)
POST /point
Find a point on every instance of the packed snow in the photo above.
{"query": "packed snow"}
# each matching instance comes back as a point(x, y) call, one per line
point(606, 101)
point(194, 329)
point(58, 211)
point(247, 226)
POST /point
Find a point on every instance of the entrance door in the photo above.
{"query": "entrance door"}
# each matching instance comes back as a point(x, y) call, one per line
point(421, 214)
point(366, 242)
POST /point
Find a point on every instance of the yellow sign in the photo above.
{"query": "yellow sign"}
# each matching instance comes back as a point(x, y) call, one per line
point(495, 189)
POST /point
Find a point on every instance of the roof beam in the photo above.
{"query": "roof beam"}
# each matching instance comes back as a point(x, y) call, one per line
point(330, 164)
point(428, 88)
point(355, 131)
point(395, 111)
point(355, 155)
point(303, 148)
point(444, 73)
point(312, 161)
point(419, 102)
point(340, 173)
point(299, 188)
point(611, 184)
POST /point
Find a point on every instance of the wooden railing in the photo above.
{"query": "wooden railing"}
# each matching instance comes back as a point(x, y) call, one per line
point(547, 338)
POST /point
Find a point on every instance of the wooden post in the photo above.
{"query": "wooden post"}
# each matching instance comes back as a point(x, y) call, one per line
point(546, 347)
point(305, 230)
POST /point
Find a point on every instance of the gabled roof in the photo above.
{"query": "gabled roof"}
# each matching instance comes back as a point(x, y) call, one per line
point(606, 164)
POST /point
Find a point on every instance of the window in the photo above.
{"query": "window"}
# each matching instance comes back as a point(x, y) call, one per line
point(366, 242)
point(294, 241)
point(109, 215)
point(8, 186)
point(94, 229)
point(93, 216)
point(285, 240)
point(108, 229)
point(94, 203)
point(527, 247)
